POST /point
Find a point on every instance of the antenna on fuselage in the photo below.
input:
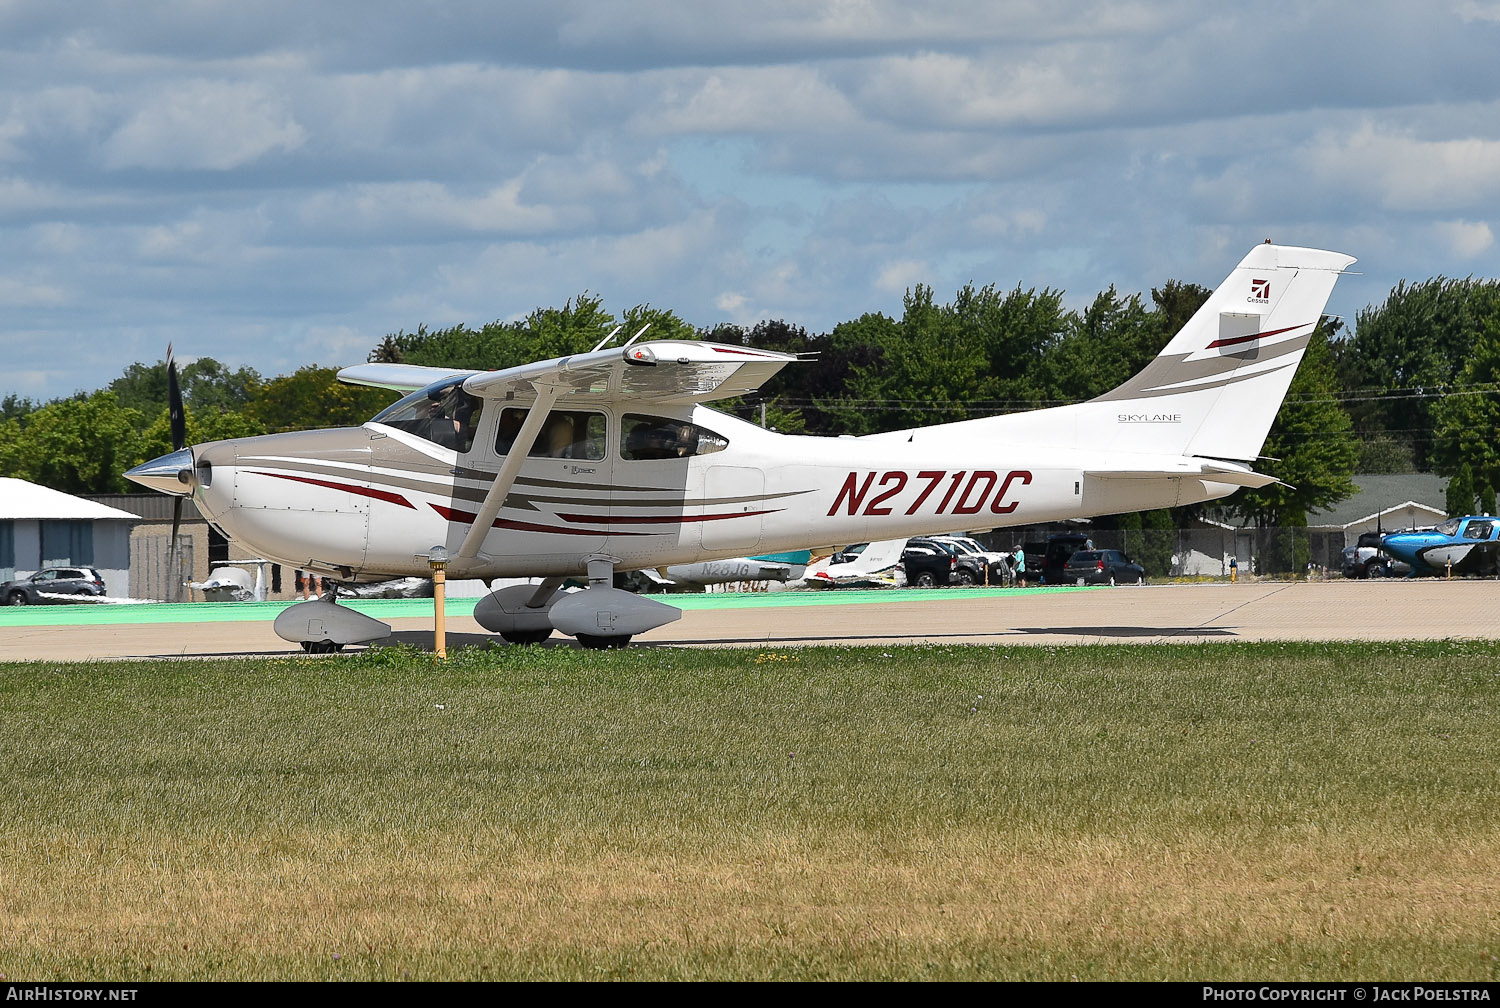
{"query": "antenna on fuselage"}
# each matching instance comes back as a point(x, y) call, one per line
point(637, 335)
point(612, 332)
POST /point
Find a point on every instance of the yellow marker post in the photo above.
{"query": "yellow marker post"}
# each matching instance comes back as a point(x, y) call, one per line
point(437, 559)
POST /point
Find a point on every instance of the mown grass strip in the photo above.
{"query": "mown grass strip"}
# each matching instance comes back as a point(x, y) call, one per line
point(1254, 810)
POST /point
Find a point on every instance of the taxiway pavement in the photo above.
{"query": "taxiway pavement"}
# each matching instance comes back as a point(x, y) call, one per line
point(1335, 610)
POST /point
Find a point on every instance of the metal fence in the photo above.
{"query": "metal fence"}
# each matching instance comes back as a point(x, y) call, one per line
point(151, 573)
point(1206, 551)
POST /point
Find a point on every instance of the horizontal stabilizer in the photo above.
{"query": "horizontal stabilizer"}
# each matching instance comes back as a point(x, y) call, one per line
point(1234, 477)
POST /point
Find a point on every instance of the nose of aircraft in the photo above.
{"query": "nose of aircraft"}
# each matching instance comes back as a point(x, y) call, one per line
point(170, 474)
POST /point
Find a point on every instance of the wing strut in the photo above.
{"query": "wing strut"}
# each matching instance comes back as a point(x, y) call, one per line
point(546, 395)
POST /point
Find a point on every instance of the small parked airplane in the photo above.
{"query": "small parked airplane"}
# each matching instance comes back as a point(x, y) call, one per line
point(609, 461)
point(769, 567)
point(869, 565)
point(1468, 545)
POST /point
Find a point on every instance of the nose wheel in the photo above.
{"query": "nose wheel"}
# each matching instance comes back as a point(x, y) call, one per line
point(321, 626)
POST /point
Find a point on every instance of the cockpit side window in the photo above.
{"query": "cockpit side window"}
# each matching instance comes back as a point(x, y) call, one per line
point(652, 437)
point(442, 413)
point(1478, 530)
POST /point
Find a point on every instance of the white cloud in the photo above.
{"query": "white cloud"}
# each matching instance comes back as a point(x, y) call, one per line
point(896, 277)
point(15, 293)
point(1479, 10)
point(746, 100)
point(1465, 239)
point(281, 179)
point(732, 303)
point(1407, 172)
point(203, 124)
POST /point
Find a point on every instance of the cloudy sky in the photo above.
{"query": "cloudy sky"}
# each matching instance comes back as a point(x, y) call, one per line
point(283, 183)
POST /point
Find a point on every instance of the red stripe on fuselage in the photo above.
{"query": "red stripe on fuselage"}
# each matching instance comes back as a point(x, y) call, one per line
point(657, 519)
point(385, 495)
point(468, 517)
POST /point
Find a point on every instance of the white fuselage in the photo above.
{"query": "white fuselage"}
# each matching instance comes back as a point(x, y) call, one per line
point(369, 502)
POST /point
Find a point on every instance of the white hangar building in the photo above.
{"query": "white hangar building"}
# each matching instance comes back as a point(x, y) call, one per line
point(47, 528)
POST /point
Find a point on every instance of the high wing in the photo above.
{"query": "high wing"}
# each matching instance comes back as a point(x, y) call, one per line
point(397, 377)
point(660, 372)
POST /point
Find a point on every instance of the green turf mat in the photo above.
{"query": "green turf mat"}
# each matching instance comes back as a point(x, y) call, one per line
point(387, 609)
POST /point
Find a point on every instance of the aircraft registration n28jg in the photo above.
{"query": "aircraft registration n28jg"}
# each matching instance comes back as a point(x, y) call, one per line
point(609, 461)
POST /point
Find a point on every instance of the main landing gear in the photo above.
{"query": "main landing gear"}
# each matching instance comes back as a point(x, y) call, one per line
point(322, 626)
point(600, 616)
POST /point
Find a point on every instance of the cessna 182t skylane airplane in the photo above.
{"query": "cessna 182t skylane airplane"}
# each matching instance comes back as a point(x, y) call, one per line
point(608, 461)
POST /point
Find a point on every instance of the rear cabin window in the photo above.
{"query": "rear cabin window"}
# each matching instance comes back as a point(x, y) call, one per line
point(651, 437)
point(574, 434)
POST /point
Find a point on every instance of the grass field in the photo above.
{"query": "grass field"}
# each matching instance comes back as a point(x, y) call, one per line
point(1228, 811)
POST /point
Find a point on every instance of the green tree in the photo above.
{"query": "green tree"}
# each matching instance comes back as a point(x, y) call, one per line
point(1159, 540)
point(1406, 352)
point(1311, 446)
point(1459, 499)
point(13, 407)
point(206, 384)
point(544, 334)
point(1113, 339)
point(202, 426)
point(312, 397)
point(975, 356)
point(389, 351)
point(78, 446)
point(1177, 302)
point(1466, 423)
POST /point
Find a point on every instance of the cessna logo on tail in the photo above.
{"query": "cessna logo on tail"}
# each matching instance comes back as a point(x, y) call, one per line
point(1260, 292)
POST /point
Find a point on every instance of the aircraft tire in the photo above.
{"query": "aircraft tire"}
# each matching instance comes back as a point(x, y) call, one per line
point(596, 642)
point(16, 598)
point(524, 637)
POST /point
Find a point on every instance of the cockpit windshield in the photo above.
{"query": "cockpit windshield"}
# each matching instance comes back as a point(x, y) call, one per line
point(442, 413)
point(1449, 527)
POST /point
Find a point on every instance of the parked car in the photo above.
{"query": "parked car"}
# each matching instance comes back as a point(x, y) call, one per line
point(1045, 560)
point(52, 581)
point(977, 565)
point(1102, 567)
point(929, 562)
point(1366, 559)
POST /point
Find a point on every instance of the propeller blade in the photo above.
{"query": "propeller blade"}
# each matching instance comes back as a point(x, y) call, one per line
point(174, 406)
point(174, 561)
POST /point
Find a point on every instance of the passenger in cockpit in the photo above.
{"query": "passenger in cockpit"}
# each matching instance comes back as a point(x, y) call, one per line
point(557, 436)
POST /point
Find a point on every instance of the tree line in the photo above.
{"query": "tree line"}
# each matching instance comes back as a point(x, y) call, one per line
point(1414, 387)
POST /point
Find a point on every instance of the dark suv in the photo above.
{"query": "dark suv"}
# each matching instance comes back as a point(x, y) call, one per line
point(1102, 567)
point(928, 562)
point(52, 581)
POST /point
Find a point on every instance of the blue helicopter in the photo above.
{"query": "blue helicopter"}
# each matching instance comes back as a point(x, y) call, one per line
point(1468, 545)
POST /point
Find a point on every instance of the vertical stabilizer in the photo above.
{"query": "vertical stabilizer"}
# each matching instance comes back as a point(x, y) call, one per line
point(1214, 390)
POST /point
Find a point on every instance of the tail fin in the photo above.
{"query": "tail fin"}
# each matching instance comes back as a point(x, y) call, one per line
point(1214, 390)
